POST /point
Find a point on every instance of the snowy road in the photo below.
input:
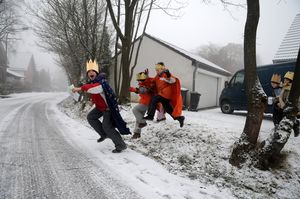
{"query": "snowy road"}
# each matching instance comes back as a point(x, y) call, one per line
point(37, 161)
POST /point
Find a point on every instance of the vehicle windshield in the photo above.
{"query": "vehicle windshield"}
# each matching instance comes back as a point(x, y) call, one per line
point(238, 79)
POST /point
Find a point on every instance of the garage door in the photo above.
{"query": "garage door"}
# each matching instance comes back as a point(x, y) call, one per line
point(207, 86)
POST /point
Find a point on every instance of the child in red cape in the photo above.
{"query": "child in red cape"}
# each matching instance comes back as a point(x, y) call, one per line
point(168, 93)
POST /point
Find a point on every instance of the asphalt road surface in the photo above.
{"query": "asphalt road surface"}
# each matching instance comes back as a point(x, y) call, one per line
point(36, 160)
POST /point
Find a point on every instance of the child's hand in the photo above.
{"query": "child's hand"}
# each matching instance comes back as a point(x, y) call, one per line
point(76, 89)
point(132, 89)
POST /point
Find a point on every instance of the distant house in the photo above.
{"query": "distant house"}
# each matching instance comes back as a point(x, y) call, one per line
point(289, 47)
point(195, 73)
point(15, 75)
point(21, 70)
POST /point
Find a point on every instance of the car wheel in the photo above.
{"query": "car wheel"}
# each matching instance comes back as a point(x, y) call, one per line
point(226, 107)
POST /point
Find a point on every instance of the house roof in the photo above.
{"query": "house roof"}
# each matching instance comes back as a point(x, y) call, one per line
point(196, 59)
point(14, 73)
point(289, 46)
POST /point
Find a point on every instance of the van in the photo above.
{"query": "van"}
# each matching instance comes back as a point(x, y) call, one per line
point(233, 96)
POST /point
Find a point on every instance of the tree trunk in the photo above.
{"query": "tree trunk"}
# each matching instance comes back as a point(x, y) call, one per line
point(125, 64)
point(270, 148)
point(127, 47)
point(256, 97)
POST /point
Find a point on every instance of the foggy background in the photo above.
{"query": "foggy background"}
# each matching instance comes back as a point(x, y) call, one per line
point(199, 24)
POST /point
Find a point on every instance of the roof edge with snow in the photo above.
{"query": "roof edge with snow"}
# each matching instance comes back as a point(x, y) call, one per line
point(196, 59)
point(13, 73)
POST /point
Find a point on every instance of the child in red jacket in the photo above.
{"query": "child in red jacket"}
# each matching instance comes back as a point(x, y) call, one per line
point(106, 129)
point(144, 89)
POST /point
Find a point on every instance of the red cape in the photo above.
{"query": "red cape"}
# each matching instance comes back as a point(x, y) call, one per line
point(176, 100)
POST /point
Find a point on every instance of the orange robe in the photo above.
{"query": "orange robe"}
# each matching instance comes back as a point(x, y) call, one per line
point(145, 98)
point(171, 92)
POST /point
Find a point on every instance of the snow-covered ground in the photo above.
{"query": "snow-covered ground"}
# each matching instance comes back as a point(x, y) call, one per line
point(196, 155)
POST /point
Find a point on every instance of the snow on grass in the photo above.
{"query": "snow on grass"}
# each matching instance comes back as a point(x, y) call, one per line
point(200, 151)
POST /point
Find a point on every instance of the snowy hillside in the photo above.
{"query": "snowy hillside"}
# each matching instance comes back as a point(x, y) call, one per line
point(201, 149)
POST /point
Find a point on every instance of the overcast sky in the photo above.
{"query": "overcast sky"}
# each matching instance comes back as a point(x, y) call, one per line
point(205, 23)
point(199, 25)
point(27, 46)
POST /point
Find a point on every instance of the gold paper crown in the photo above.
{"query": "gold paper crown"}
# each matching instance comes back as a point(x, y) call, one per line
point(92, 65)
point(289, 75)
point(276, 78)
point(141, 76)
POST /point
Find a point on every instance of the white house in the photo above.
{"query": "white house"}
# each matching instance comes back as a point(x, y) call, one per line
point(15, 75)
point(195, 73)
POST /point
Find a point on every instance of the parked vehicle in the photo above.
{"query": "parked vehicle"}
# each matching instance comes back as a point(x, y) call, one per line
point(233, 96)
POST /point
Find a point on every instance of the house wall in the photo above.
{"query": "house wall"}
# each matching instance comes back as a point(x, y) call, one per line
point(152, 52)
point(210, 86)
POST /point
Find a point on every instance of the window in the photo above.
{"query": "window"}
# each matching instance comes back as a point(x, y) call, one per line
point(238, 79)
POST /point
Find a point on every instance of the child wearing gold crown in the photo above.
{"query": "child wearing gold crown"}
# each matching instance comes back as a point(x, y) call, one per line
point(168, 94)
point(106, 129)
point(145, 91)
point(284, 95)
point(276, 86)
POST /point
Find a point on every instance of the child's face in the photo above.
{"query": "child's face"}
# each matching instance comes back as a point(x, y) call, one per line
point(286, 81)
point(274, 85)
point(159, 68)
point(92, 74)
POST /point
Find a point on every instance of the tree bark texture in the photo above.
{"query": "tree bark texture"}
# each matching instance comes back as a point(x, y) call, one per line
point(126, 37)
point(256, 97)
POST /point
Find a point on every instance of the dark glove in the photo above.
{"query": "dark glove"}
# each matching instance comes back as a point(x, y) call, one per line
point(168, 74)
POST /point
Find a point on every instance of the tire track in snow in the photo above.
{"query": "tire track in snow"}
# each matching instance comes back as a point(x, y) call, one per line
point(37, 161)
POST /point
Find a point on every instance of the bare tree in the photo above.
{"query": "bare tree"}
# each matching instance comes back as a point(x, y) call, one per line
point(73, 30)
point(9, 18)
point(9, 26)
point(256, 97)
point(130, 12)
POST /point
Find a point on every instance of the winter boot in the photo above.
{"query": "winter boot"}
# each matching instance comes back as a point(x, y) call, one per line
point(101, 139)
point(162, 119)
point(181, 120)
point(136, 136)
point(142, 125)
point(119, 150)
point(148, 117)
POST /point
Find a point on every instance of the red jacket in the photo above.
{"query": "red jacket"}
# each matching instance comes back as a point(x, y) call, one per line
point(97, 99)
point(145, 98)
